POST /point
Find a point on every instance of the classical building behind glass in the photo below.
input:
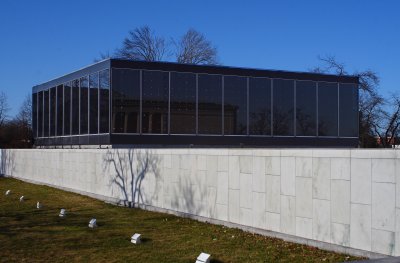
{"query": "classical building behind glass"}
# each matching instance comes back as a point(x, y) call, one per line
point(121, 103)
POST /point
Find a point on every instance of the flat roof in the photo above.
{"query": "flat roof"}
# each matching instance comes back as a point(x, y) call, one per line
point(207, 69)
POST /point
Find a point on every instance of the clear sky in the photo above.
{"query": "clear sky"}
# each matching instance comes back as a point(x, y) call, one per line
point(41, 40)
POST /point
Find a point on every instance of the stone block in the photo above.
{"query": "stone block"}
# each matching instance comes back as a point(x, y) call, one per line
point(222, 188)
point(201, 162)
point(340, 201)
point(246, 163)
point(288, 176)
point(245, 190)
point(273, 165)
point(383, 242)
point(321, 178)
point(246, 216)
point(223, 163)
point(212, 177)
point(234, 171)
point(258, 174)
point(258, 210)
point(234, 200)
point(304, 201)
point(304, 227)
point(273, 194)
point(384, 170)
point(383, 206)
point(340, 168)
point(360, 227)
point(304, 166)
point(340, 234)
point(288, 214)
point(361, 181)
point(321, 220)
point(397, 234)
point(222, 212)
point(273, 221)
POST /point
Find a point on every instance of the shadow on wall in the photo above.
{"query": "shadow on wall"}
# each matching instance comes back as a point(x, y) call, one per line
point(7, 164)
point(128, 169)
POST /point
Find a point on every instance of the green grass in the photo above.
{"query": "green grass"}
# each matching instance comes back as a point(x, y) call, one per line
point(31, 235)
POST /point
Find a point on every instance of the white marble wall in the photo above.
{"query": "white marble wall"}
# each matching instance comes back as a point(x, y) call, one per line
point(346, 197)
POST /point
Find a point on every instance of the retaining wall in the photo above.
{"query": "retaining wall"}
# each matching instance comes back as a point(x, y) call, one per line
point(332, 198)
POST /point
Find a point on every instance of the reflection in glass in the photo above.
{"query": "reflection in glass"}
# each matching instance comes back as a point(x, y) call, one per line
point(46, 114)
point(235, 105)
point(53, 111)
point(283, 101)
point(348, 110)
point(327, 109)
point(75, 107)
point(259, 106)
point(183, 103)
point(104, 91)
point(210, 104)
point(94, 103)
point(34, 114)
point(126, 100)
point(306, 108)
point(67, 108)
point(155, 102)
point(84, 86)
point(40, 113)
point(60, 91)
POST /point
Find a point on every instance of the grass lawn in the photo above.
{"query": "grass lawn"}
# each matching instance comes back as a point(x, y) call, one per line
point(31, 235)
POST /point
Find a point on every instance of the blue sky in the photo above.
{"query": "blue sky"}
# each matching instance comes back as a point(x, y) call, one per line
point(41, 40)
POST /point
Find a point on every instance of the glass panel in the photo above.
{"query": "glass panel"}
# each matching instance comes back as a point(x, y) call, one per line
point(94, 103)
point(60, 109)
point(104, 85)
point(183, 103)
point(34, 114)
point(155, 102)
point(67, 108)
point(306, 108)
point(348, 110)
point(283, 101)
point(126, 100)
point(46, 113)
point(75, 107)
point(259, 106)
point(40, 114)
point(235, 105)
point(84, 86)
point(210, 104)
point(53, 111)
point(327, 109)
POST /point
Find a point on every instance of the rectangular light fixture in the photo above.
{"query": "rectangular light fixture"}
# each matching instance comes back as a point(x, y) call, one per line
point(136, 238)
point(203, 258)
point(63, 213)
point(21, 199)
point(38, 205)
point(93, 223)
point(8, 192)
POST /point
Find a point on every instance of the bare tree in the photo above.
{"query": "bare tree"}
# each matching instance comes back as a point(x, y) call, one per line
point(194, 48)
point(370, 102)
point(103, 56)
point(24, 115)
point(4, 108)
point(142, 44)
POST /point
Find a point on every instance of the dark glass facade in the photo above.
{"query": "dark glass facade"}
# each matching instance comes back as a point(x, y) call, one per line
point(126, 102)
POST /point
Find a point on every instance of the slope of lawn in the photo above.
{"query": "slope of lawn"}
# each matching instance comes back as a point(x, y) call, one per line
point(28, 234)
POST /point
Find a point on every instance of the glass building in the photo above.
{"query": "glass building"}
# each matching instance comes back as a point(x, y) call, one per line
point(119, 103)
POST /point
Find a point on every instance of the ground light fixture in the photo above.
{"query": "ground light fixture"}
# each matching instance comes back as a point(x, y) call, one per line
point(203, 258)
point(136, 238)
point(93, 223)
point(21, 199)
point(63, 213)
point(8, 192)
point(38, 205)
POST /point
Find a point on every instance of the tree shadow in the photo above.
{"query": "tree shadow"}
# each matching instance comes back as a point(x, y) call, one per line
point(7, 164)
point(128, 169)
